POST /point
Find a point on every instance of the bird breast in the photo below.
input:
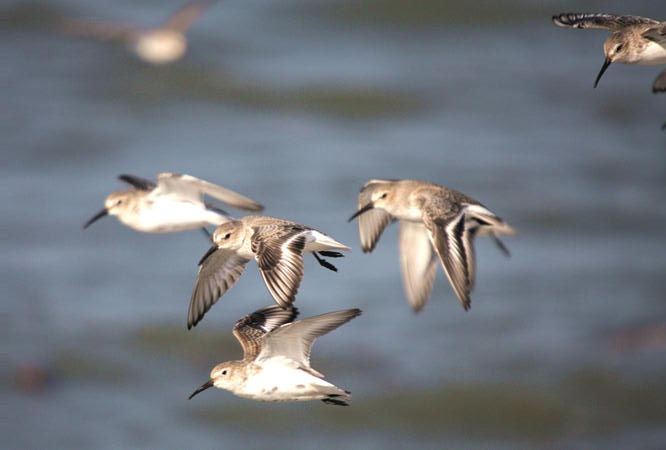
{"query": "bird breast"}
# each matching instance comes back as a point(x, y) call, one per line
point(653, 54)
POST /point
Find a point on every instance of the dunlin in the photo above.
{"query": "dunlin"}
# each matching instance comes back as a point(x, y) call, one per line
point(174, 203)
point(276, 358)
point(277, 245)
point(430, 216)
point(158, 45)
point(634, 39)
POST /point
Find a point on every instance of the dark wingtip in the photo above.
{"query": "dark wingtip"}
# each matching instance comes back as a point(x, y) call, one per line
point(136, 182)
point(191, 322)
point(256, 207)
point(562, 20)
point(417, 308)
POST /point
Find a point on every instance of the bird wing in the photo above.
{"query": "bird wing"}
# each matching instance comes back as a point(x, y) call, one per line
point(660, 83)
point(140, 184)
point(294, 340)
point(278, 251)
point(192, 189)
point(183, 19)
point(597, 20)
point(98, 30)
point(418, 263)
point(250, 330)
point(372, 223)
point(453, 243)
point(219, 269)
point(656, 34)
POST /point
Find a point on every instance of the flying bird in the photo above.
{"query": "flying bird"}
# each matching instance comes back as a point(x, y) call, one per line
point(175, 203)
point(276, 358)
point(435, 221)
point(163, 44)
point(276, 244)
point(634, 39)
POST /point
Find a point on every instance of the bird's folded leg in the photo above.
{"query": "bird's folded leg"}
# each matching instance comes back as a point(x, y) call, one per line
point(501, 246)
point(331, 254)
point(325, 263)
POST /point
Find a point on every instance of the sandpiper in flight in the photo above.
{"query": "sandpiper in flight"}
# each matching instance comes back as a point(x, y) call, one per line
point(175, 203)
point(276, 244)
point(276, 358)
point(158, 45)
point(430, 216)
point(635, 40)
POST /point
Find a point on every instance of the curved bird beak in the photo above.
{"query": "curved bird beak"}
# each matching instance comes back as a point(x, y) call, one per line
point(96, 217)
point(201, 388)
point(607, 62)
point(366, 208)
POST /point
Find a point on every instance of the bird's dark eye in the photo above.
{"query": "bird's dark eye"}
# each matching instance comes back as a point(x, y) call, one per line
point(224, 372)
point(618, 48)
point(227, 236)
point(384, 195)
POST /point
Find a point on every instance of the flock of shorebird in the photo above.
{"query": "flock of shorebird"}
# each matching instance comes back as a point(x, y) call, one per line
point(436, 224)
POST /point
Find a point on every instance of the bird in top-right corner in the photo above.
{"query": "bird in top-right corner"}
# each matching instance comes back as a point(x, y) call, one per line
point(634, 40)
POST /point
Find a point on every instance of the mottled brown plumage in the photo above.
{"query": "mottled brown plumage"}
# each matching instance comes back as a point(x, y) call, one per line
point(434, 220)
point(276, 358)
point(276, 244)
point(634, 39)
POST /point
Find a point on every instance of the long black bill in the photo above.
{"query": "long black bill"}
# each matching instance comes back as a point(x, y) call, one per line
point(96, 217)
point(203, 387)
point(607, 62)
point(367, 207)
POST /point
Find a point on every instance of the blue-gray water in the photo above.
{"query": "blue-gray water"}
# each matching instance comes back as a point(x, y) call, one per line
point(296, 104)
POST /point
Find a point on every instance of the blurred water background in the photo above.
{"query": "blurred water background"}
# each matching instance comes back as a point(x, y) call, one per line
point(297, 104)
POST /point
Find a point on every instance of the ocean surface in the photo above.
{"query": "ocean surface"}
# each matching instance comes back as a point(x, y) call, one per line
point(297, 104)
